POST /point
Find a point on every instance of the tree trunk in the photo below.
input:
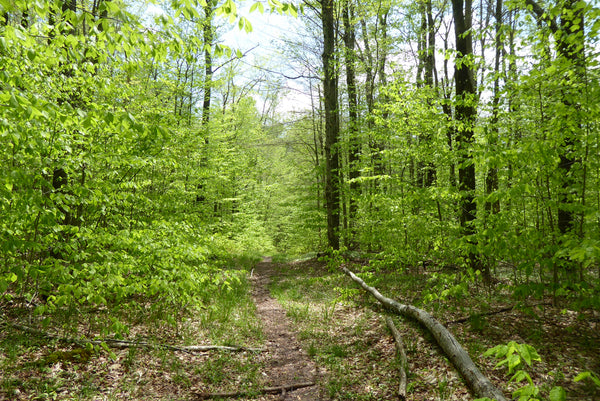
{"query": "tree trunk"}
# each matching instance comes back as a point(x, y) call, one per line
point(570, 46)
point(475, 380)
point(430, 54)
point(332, 125)
point(426, 172)
point(208, 36)
point(353, 128)
point(465, 114)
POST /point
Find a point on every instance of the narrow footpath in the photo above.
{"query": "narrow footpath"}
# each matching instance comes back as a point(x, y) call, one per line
point(287, 363)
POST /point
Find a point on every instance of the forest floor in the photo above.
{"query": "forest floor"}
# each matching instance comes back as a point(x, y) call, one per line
point(315, 326)
point(344, 331)
point(286, 362)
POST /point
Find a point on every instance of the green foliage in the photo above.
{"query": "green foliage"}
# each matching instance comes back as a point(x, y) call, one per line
point(512, 355)
point(449, 285)
point(109, 197)
point(588, 375)
point(334, 258)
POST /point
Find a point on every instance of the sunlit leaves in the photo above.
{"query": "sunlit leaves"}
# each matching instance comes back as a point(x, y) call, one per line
point(228, 9)
point(245, 25)
point(257, 6)
point(513, 354)
point(284, 8)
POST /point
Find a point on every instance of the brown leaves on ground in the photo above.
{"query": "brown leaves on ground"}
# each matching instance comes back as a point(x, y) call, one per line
point(567, 341)
point(333, 333)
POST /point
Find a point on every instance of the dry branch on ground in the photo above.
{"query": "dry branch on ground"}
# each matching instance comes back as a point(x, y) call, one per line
point(475, 380)
point(123, 344)
point(266, 390)
point(402, 355)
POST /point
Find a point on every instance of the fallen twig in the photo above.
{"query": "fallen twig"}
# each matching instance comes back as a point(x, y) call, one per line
point(494, 312)
point(266, 390)
point(124, 344)
point(475, 380)
point(402, 355)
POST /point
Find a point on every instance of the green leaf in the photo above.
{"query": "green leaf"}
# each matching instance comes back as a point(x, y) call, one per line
point(519, 376)
point(3, 286)
point(293, 11)
point(247, 26)
point(581, 376)
point(585, 375)
point(525, 354)
point(514, 360)
point(258, 6)
point(527, 392)
point(13, 101)
point(109, 118)
point(558, 394)
point(496, 351)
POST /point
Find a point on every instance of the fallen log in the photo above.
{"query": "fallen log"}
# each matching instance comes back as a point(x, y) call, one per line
point(124, 344)
point(402, 355)
point(480, 385)
point(266, 390)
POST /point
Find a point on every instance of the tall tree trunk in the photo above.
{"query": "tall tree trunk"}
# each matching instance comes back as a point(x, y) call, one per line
point(491, 179)
point(421, 45)
point(430, 54)
point(368, 66)
point(447, 109)
point(382, 51)
point(570, 46)
point(353, 128)
point(370, 75)
point(208, 36)
point(332, 124)
point(426, 173)
point(465, 114)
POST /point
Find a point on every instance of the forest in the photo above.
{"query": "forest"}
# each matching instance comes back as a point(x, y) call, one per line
point(349, 200)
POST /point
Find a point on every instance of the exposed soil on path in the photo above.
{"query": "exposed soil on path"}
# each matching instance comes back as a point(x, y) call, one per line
point(287, 363)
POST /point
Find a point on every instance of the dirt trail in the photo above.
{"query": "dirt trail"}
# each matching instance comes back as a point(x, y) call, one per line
point(287, 362)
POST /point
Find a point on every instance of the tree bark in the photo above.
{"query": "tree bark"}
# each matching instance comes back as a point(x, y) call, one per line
point(475, 380)
point(570, 46)
point(401, 355)
point(465, 114)
point(353, 128)
point(208, 36)
point(332, 125)
point(426, 170)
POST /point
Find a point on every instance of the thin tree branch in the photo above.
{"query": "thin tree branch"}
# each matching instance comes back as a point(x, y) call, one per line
point(402, 355)
point(123, 344)
point(542, 15)
point(267, 390)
